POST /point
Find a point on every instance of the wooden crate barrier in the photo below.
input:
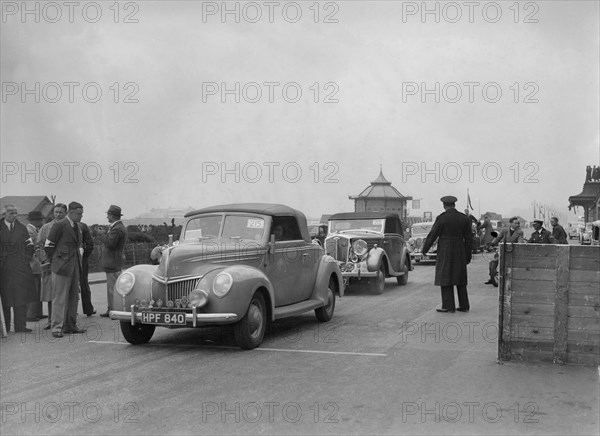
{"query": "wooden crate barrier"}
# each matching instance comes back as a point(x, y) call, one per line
point(549, 303)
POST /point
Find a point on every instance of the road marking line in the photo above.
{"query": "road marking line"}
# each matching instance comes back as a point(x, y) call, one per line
point(256, 349)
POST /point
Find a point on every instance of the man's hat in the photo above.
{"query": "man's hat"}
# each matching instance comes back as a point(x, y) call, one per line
point(35, 215)
point(448, 199)
point(540, 222)
point(114, 210)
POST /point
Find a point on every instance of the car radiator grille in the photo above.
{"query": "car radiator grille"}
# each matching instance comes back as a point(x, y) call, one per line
point(180, 289)
point(337, 248)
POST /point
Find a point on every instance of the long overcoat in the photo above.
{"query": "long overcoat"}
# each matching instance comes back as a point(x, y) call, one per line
point(452, 229)
point(17, 286)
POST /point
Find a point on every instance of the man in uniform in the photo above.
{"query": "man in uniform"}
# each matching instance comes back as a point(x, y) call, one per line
point(540, 234)
point(452, 229)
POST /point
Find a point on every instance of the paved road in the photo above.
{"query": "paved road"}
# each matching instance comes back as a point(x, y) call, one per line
point(387, 364)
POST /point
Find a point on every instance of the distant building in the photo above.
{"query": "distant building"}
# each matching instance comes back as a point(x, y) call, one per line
point(159, 216)
point(26, 204)
point(492, 216)
point(589, 197)
point(381, 196)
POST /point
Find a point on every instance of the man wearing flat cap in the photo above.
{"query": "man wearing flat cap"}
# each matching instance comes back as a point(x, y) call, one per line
point(452, 229)
point(113, 252)
point(540, 235)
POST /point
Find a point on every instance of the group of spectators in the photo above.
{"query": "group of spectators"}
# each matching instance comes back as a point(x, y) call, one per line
point(49, 263)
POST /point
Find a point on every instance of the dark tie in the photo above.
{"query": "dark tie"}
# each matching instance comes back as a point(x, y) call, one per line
point(76, 230)
point(12, 226)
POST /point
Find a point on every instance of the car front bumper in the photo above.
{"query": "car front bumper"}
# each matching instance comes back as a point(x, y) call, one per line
point(194, 319)
point(421, 256)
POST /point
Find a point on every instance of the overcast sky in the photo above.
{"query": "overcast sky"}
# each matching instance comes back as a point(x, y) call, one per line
point(367, 73)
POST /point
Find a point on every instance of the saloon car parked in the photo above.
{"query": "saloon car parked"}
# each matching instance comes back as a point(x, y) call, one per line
point(418, 233)
point(369, 245)
point(585, 234)
point(240, 264)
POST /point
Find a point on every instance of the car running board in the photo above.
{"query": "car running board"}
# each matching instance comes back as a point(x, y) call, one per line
point(296, 309)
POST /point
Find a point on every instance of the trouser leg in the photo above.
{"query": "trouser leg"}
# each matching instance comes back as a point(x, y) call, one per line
point(448, 298)
point(463, 297)
point(7, 317)
point(34, 309)
point(60, 291)
point(86, 292)
point(111, 279)
point(20, 313)
point(72, 303)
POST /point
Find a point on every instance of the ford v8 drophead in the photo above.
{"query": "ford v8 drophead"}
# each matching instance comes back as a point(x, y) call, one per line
point(240, 264)
point(369, 245)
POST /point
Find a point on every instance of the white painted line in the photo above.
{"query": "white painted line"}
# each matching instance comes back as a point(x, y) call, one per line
point(322, 352)
point(256, 349)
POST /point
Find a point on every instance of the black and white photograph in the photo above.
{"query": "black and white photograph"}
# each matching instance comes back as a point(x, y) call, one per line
point(310, 217)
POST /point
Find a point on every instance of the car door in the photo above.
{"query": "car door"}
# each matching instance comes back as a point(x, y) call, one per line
point(393, 243)
point(290, 266)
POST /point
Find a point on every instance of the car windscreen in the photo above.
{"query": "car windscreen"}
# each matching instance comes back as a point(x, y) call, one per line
point(358, 224)
point(417, 230)
point(244, 227)
point(203, 227)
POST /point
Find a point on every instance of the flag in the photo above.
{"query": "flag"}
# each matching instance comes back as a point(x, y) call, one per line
point(469, 201)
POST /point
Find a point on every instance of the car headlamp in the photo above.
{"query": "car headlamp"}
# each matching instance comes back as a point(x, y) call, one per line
point(222, 284)
point(125, 283)
point(360, 247)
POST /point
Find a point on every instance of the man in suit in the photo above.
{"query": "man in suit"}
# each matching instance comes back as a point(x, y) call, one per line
point(17, 286)
point(64, 250)
point(113, 252)
point(512, 234)
point(60, 211)
point(540, 234)
point(452, 229)
point(86, 292)
point(558, 231)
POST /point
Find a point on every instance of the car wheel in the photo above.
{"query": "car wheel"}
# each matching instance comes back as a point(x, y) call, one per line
point(137, 334)
point(377, 283)
point(325, 313)
point(403, 280)
point(250, 330)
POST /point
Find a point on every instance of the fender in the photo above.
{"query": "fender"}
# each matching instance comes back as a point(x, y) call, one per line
point(250, 278)
point(142, 288)
point(327, 266)
point(374, 259)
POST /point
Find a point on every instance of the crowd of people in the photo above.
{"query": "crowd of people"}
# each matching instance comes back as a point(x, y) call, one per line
point(49, 263)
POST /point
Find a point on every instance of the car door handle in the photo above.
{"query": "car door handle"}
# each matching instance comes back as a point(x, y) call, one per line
point(304, 256)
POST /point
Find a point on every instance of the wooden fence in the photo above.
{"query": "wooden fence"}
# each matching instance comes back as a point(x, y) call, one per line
point(549, 303)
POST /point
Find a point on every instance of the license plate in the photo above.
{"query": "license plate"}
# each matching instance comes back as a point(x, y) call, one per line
point(166, 318)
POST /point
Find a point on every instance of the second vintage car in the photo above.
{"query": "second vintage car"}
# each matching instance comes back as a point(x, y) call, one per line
point(418, 234)
point(240, 264)
point(369, 246)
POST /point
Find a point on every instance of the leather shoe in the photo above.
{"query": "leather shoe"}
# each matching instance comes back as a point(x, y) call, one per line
point(23, 330)
point(105, 314)
point(462, 309)
point(34, 319)
point(495, 284)
point(75, 330)
point(57, 334)
point(90, 314)
point(489, 282)
point(445, 310)
point(43, 316)
point(47, 327)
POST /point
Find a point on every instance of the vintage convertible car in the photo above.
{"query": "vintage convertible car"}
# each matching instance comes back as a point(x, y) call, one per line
point(240, 264)
point(418, 233)
point(369, 245)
